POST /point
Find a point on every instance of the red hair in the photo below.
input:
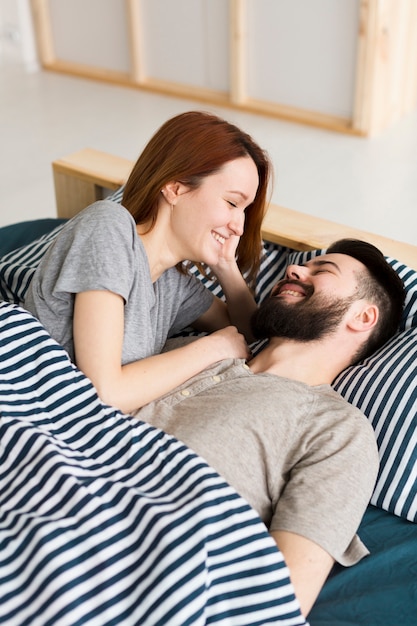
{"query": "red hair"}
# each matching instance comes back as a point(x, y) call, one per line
point(187, 148)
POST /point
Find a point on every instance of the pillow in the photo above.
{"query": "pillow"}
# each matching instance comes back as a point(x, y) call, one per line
point(384, 388)
point(17, 235)
point(18, 266)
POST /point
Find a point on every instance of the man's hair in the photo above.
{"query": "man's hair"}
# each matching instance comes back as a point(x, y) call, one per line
point(381, 285)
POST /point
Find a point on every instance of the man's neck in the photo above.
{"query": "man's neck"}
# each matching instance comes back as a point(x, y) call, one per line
point(313, 363)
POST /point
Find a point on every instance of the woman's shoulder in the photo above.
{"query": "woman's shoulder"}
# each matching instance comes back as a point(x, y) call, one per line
point(99, 226)
point(103, 219)
point(104, 210)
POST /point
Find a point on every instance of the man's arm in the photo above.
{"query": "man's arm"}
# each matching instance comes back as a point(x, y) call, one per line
point(309, 566)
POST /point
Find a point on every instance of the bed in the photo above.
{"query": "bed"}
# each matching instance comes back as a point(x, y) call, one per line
point(105, 520)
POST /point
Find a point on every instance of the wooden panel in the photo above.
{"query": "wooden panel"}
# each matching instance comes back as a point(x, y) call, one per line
point(43, 27)
point(136, 26)
point(386, 87)
point(238, 56)
point(95, 166)
point(306, 232)
point(410, 78)
point(83, 177)
point(72, 194)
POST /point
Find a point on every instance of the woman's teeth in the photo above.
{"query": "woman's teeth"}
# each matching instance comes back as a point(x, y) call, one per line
point(218, 237)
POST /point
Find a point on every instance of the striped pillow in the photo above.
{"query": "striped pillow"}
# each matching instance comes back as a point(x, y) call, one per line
point(384, 388)
point(107, 520)
point(18, 266)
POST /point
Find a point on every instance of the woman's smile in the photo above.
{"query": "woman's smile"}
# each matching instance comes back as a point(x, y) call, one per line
point(218, 237)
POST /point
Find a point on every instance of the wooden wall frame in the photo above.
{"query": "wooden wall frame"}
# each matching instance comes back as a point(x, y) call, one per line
point(386, 72)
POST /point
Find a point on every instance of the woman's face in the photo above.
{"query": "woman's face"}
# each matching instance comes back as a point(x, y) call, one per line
point(208, 221)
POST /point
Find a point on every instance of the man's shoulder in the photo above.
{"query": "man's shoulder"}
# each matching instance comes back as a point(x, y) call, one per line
point(335, 410)
point(326, 399)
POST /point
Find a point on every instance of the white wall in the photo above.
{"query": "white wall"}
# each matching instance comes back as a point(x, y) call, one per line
point(303, 53)
point(187, 41)
point(17, 40)
point(93, 32)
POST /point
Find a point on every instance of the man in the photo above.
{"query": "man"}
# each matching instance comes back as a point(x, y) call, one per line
point(303, 457)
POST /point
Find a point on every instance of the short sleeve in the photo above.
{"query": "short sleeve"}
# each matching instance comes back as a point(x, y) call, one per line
point(97, 253)
point(332, 480)
point(94, 251)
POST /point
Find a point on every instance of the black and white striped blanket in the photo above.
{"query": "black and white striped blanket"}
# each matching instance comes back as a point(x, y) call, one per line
point(105, 520)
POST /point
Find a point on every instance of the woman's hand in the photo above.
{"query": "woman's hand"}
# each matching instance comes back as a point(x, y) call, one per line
point(227, 343)
point(227, 256)
point(239, 306)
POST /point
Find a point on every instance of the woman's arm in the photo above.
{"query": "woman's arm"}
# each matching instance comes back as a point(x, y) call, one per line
point(98, 328)
point(237, 310)
point(240, 303)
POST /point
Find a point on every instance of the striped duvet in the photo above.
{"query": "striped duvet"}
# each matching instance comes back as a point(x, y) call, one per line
point(105, 520)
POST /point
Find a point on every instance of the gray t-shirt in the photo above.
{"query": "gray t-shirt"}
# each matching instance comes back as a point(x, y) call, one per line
point(99, 249)
point(303, 457)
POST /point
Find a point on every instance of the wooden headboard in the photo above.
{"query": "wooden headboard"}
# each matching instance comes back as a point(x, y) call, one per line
point(86, 176)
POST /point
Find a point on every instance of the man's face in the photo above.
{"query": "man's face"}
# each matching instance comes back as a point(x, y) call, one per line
point(311, 301)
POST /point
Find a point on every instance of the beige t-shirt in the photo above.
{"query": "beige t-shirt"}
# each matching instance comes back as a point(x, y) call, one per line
point(303, 457)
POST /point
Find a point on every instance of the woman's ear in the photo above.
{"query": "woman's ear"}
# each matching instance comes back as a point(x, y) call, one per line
point(172, 190)
point(364, 317)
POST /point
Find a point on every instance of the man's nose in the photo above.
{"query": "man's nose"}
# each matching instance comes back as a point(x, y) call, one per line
point(296, 272)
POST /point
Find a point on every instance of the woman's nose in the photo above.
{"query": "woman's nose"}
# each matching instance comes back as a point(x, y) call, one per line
point(237, 223)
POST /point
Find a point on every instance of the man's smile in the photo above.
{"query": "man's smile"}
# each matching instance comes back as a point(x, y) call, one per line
point(290, 288)
point(286, 291)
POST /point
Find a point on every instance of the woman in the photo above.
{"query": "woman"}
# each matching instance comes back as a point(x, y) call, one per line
point(112, 287)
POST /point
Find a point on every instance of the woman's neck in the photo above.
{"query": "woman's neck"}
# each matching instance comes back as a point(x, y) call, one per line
point(158, 248)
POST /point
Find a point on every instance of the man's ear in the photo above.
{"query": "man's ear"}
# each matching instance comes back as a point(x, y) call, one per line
point(172, 190)
point(364, 317)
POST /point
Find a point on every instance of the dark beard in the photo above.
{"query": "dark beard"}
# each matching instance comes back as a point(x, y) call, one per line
point(313, 318)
